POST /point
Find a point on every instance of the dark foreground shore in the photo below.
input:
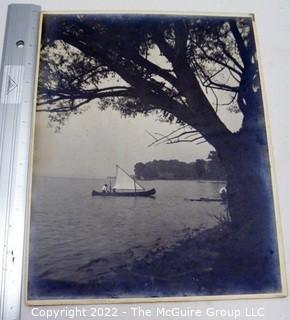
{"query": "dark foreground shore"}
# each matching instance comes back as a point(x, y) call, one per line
point(205, 263)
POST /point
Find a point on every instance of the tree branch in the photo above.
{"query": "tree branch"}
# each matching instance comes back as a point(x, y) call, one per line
point(87, 96)
point(216, 60)
point(172, 137)
point(243, 50)
point(234, 60)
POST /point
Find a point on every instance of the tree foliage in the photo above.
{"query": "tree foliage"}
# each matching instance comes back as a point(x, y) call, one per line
point(182, 68)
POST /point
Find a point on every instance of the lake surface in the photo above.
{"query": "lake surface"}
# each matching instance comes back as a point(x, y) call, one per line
point(71, 230)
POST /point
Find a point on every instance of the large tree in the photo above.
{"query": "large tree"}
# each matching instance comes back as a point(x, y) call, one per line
point(184, 69)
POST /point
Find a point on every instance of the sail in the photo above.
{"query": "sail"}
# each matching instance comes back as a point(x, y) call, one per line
point(125, 182)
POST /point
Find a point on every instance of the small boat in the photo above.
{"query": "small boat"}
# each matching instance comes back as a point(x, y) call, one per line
point(145, 193)
point(125, 186)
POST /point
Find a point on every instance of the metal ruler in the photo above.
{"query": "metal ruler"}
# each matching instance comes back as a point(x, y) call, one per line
point(16, 106)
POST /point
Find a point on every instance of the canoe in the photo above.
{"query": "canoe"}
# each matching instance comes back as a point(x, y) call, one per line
point(125, 186)
point(143, 193)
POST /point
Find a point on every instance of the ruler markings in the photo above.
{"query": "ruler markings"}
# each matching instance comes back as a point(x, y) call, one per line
point(17, 82)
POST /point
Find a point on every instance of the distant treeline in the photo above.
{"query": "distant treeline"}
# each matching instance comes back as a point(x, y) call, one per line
point(210, 169)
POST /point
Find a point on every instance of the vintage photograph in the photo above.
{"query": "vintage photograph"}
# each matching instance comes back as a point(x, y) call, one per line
point(151, 173)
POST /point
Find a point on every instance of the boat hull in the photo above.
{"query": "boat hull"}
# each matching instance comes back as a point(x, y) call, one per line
point(146, 193)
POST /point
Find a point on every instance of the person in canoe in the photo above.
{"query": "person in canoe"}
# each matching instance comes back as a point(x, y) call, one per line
point(105, 188)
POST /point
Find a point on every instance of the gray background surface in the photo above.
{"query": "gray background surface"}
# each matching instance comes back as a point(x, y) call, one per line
point(273, 26)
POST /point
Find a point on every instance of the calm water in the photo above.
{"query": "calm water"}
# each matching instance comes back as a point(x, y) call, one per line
point(70, 228)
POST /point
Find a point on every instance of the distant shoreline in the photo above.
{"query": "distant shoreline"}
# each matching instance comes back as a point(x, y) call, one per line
point(201, 169)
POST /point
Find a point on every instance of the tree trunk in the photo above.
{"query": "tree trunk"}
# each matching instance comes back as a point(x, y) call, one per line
point(252, 251)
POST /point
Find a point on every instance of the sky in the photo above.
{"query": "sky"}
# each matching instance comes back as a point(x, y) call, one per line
point(90, 144)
